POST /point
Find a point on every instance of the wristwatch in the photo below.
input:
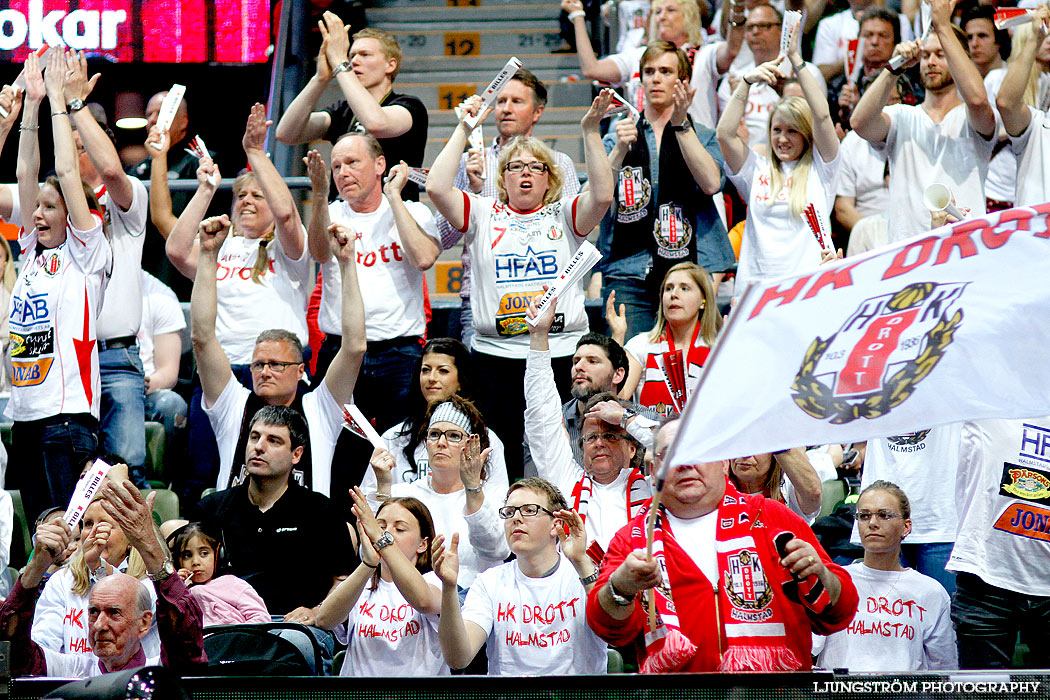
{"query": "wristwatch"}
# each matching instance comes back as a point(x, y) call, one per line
point(686, 125)
point(619, 598)
point(75, 105)
point(628, 413)
point(166, 570)
point(385, 540)
point(341, 68)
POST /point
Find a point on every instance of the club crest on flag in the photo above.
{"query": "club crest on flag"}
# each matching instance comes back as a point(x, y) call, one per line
point(745, 582)
point(635, 192)
point(882, 351)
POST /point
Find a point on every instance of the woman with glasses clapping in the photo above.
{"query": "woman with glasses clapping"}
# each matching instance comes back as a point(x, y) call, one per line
point(903, 621)
point(457, 491)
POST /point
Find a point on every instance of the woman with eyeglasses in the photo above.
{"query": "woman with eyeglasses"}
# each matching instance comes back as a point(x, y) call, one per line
point(458, 492)
point(787, 476)
point(903, 621)
point(518, 243)
point(445, 369)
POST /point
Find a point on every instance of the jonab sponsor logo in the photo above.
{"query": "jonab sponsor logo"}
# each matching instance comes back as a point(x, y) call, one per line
point(78, 29)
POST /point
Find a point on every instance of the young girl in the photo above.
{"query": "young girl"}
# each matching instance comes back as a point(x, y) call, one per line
point(225, 600)
point(392, 600)
point(799, 168)
point(903, 620)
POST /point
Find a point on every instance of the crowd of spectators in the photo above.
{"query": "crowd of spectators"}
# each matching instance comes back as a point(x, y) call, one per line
point(505, 519)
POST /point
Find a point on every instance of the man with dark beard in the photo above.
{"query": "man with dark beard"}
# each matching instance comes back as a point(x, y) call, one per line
point(947, 139)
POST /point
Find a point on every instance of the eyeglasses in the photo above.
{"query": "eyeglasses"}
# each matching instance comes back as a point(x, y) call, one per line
point(274, 366)
point(760, 26)
point(452, 437)
point(591, 438)
point(884, 515)
point(516, 166)
point(528, 510)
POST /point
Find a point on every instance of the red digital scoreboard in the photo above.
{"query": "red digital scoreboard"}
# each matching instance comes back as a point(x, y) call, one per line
point(151, 31)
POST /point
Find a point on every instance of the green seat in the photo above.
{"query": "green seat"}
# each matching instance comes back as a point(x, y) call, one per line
point(20, 552)
point(208, 492)
point(337, 661)
point(5, 435)
point(615, 661)
point(832, 492)
point(156, 445)
point(166, 507)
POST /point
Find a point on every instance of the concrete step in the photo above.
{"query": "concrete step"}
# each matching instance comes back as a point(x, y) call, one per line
point(386, 16)
point(444, 96)
point(467, 41)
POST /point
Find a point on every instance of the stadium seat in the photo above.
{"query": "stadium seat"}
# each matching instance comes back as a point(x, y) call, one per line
point(20, 533)
point(615, 662)
point(166, 507)
point(156, 445)
point(337, 662)
point(832, 492)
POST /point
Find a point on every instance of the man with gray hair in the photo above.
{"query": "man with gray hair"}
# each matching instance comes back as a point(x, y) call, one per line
point(119, 613)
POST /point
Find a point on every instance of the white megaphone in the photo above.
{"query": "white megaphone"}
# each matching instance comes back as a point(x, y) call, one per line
point(938, 197)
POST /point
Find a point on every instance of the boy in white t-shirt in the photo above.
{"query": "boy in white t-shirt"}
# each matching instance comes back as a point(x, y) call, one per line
point(530, 611)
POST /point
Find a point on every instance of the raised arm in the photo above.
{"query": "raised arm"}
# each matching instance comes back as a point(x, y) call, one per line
point(1010, 100)
point(595, 200)
point(317, 232)
point(100, 148)
point(182, 247)
point(67, 164)
point(706, 172)
point(212, 364)
point(734, 34)
point(460, 641)
point(27, 169)
point(440, 182)
point(868, 118)
point(734, 149)
point(160, 207)
point(299, 123)
point(803, 477)
point(421, 250)
point(382, 122)
point(288, 225)
point(967, 78)
point(167, 352)
point(342, 373)
point(825, 138)
point(11, 104)
point(593, 68)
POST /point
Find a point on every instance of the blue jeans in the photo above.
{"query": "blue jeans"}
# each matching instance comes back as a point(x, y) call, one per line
point(123, 408)
point(639, 302)
point(930, 559)
point(170, 410)
point(988, 620)
point(323, 637)
point(466, 322)
point(51, 454)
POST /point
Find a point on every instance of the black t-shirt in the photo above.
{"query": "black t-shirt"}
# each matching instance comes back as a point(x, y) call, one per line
point(409, 146)
point(290, 553)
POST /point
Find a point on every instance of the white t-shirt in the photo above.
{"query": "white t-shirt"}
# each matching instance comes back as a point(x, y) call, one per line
point(1001, 183)
point(777, 242)
point(1002, 492)
point(627, 61)
point(536, 626)
point(697, 537)
point(631, 18)
point(923, 152)
point(395, 444)
point(324, 418)
point(903, 624)
point(391, 286)
point(704, 107)
point(247, 308)
point(122, 307)
point(1033, 160)
point(55, 364)
point(924, 464)
point(835, 31)
point(862, 175)
point(514, 254)
point(161, 314)
point(388, 637)
point(761, 99)
point(482, 542)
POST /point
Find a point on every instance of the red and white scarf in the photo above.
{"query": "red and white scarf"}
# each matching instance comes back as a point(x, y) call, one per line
point(638, 494)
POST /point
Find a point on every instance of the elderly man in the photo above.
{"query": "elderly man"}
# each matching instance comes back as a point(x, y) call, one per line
point(743, 566)
point(119, 606)
point(608, 489)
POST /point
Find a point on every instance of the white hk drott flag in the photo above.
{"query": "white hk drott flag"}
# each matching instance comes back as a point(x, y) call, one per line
point(948, 326)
